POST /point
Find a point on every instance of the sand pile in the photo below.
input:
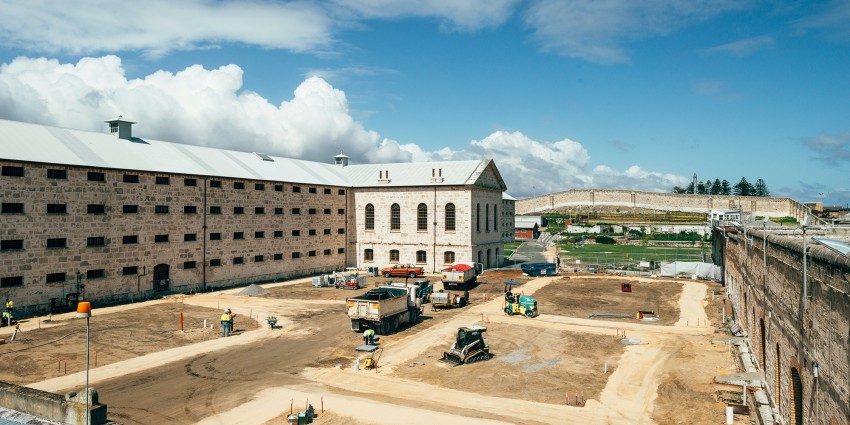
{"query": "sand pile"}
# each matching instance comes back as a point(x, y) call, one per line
point(254, 291)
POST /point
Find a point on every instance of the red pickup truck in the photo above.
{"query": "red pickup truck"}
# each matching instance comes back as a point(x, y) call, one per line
point(402, 270)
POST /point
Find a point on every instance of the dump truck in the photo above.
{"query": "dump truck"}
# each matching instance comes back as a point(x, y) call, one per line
point(423, 291)
point(384, 309)
point(459, 275)
point(443, 299)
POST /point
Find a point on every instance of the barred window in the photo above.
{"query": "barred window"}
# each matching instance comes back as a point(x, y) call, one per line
point(450, 217)
point(394, 256)
point(160, 209)
point(422, 217)
point(486, 217)
point(421, 257)
point(238, 260)
point(370, 217)
point(448, 257)
point(395, 217)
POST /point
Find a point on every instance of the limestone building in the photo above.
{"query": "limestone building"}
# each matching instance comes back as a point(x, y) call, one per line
point(118, 217)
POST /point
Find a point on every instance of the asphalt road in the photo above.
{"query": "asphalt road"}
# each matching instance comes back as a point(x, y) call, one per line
point(529, 252)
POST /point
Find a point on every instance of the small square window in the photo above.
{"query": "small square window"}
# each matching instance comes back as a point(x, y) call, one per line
point(311, 253)
point(96, 209)
point(278, 257)
point(7, 282)
point(259, 258)
point(296, 255)
point(341, 191)
point(12, 208)
point(130, 239)
point(340, 231)
point(95, 274)
point(131, 178)
point(215, 236)
point(259, 210)
point(55, 277)
point(327, 231)
point(190, 237)
point(278, 233)
point(296, 233)
point(238, 185)
point(326, 211)
point(163, 180)
point(311, 211)
point(215, 262)
point(278, 188)
point(190, 209)
point(57, 174)
point(161, 209)
point(12, 171)
point(238, 235)
point(57, 209)
point(238, 260)
point(12, 245)
point(259, 235)
point(188, 265)
point(340, 251)
point(190, 182)
point(311, 190)
point(278, 211)
point(327, 191)
point(160, 238)
point(311, 232)
point(215, 210)
point(130, 270)
point(340, 211)
point(93, 241)
point(259, 186)
point(327, 252)
point(56, 243)
point(238, 210)
point(296, 211)
point(296, 189)
point(94, 176)
point(215, 183)
point(130, 209)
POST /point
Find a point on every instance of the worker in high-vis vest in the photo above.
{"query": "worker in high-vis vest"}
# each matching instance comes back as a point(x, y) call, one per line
point(10, 305)
point(225, 323)
point(369, 337)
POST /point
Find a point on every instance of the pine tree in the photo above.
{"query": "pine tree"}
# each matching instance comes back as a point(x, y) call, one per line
point(743, 188)
point(760, 188)
point(716, 189)
point(701, 188)
point(725, 187)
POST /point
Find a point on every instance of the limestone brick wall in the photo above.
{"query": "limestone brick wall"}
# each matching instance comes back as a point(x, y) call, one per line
point(159, 209)
point(508, 217)
point(766, 207)
point(435, 240)
point(764, 280)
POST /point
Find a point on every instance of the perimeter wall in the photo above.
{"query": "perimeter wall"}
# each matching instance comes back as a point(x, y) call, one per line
point(797, 326)
point(758, 206)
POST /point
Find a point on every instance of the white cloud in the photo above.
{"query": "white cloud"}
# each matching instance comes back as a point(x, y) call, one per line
point(463, 15)
point(596, 30)
point(161, 26)
point(742, 48)
point(207, 107)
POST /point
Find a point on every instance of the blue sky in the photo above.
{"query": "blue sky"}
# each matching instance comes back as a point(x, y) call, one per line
point(562, 94)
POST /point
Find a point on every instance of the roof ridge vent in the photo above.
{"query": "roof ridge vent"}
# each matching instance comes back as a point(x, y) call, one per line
point(121, 128)
point(263, 156)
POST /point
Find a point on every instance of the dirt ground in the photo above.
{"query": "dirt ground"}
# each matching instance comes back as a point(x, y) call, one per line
point(532, 364)
point(536, 361)
point(47, 352)
point(579, 297)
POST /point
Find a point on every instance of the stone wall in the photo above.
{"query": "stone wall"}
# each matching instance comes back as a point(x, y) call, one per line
point(759, 206)
point(177, 210)
point(788, 330)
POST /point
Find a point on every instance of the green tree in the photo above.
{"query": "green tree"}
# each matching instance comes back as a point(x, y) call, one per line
point(760, 188)
point(725, 187)
point(743, 188)
point(716, 188)
point(701, 188)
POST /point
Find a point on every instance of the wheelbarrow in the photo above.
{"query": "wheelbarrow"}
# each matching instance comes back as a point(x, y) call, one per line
point(272, 321)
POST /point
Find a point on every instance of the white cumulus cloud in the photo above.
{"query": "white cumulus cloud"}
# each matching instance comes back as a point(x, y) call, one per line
point(208, 107)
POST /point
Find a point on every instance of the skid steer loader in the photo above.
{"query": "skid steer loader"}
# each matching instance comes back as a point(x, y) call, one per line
point(470, 346)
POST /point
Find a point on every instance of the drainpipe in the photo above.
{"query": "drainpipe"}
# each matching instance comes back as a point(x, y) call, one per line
point(204, 253)
point(434, 244)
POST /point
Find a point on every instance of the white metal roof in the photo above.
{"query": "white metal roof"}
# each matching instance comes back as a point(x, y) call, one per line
point(507, 197)
point(526, 222)
point(53, 145)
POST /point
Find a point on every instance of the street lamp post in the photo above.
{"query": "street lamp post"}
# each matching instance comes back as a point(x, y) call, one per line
point(84, 311)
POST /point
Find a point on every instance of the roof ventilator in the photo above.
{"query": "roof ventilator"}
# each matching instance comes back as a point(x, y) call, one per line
point(264, 157)
point(384, 176)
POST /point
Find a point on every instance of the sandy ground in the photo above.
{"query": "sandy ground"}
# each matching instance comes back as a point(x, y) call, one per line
point(150, 372)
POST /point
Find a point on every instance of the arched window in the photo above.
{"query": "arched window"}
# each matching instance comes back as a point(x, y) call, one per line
point(448, 257)
point(422, 217)
point(487, 217)
point(450, 217)
point(395, 217)
point(478, 218)
point(495, 218)
point(394, 256)
point(421, 257)
point(370, 217)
